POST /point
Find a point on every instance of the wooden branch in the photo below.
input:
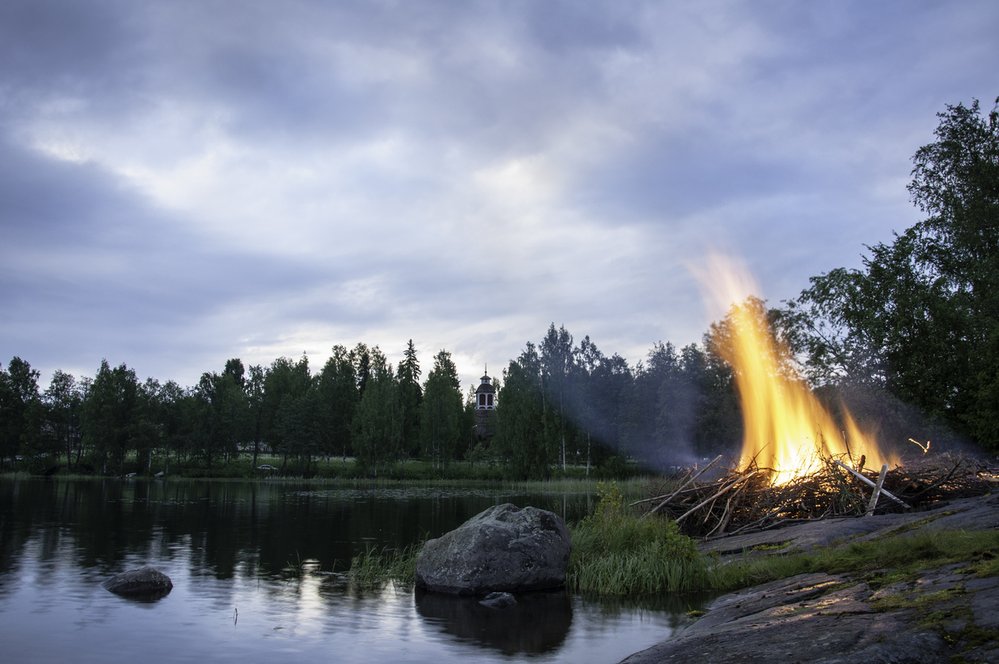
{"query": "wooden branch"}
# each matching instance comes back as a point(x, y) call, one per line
point(727, 514)
point(719, 493)
point(663, 495)
point(941, 480)
point(872, 484)
point(871, 506)
point(681, 488)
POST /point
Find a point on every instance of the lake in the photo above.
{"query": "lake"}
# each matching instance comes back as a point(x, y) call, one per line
point(258, 576)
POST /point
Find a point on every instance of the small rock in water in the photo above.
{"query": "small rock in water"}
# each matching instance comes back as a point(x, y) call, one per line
point(498, 600)
point(142, 582)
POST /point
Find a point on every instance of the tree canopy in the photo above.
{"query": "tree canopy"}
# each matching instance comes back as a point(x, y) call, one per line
point(920, 320)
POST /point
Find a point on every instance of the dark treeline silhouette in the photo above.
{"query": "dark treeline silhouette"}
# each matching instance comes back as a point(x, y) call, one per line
point(565, 405)
point(354, 406)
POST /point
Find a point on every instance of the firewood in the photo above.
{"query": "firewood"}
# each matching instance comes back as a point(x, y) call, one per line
point(867, 481)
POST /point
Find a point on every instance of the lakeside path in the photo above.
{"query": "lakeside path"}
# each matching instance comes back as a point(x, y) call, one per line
point(943, 614)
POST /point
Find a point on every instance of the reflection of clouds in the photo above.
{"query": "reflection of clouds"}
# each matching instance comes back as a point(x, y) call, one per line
point(53, 608)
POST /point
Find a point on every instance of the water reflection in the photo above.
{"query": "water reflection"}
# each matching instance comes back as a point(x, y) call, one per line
point(275, 553)
point(262, 528)
point(538, 623)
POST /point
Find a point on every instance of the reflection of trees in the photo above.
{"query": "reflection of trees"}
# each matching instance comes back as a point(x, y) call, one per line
point(227, 529)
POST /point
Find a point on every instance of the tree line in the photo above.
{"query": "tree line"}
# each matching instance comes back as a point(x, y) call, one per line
point(910, 341)
point(356, 405)
point(560, 405)
point(564, 404)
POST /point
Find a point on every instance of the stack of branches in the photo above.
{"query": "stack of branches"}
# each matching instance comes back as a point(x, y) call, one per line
point(746, 500)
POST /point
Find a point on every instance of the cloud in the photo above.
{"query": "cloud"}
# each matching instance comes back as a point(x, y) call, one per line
point(185, 182)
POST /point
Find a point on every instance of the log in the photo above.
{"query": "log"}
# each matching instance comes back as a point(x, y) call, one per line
point(872, 484)
point(871, 506)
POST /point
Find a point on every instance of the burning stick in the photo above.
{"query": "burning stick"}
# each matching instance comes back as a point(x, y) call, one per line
point(925, 448)
point(872, 484)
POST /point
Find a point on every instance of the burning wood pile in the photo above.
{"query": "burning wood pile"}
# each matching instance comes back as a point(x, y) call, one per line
point(748, 500)
point(798, 462)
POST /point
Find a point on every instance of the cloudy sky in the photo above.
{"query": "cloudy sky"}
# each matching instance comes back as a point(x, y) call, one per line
point(182, 182)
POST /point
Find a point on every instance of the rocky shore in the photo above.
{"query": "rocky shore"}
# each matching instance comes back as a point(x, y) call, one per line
point(942, 614)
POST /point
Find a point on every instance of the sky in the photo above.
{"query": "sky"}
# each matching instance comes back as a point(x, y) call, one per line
point(189, 181)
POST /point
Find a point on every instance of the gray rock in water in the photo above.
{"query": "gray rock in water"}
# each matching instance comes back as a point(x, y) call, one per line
point(499, 600)
point(142, 582)
point(504, 548)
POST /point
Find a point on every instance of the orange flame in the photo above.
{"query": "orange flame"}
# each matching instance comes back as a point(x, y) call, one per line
point(786, 427)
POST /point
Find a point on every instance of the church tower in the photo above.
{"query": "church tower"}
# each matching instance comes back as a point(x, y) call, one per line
point(485, 408)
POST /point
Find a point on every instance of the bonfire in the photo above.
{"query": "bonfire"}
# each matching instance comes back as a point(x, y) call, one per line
point(798, 462)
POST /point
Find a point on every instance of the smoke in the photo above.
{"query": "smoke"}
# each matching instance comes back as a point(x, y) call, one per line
point(896, 424)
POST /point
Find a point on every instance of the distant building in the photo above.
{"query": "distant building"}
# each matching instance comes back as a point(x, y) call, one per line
point(485, 409)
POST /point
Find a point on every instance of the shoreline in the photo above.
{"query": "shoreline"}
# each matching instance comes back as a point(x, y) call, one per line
point(938, 613)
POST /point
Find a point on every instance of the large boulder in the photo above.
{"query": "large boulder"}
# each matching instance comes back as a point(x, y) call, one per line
point(146, 582)
point(504, 548)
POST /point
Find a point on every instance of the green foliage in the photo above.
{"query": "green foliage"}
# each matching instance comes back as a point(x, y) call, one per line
point(288, 408)
point(338, 399)
point(20, 410)
point(557, 364)
point(442, 416)
point(222, 408)
point(63, 401)
point(616, 552)
point(921, 319)
point(410, 399)
point(110, 412)
point(377, 427)
point(521, 441)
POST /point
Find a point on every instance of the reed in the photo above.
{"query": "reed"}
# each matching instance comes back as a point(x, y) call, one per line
point(375, 567)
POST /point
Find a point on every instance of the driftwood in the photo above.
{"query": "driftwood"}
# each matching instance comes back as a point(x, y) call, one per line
point(735, 501)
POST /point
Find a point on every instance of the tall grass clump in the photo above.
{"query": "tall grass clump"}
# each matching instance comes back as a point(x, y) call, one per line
point(375, 567)
point(616, 552)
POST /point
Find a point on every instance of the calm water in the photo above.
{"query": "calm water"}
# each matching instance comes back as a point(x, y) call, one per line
point(257, 571)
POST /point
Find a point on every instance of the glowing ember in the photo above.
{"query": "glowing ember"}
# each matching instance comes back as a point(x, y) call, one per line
point(786, 428)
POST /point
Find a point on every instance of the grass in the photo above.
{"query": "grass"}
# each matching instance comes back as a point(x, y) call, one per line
point(879, 562)
point(616, 552)
point(375, 567)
